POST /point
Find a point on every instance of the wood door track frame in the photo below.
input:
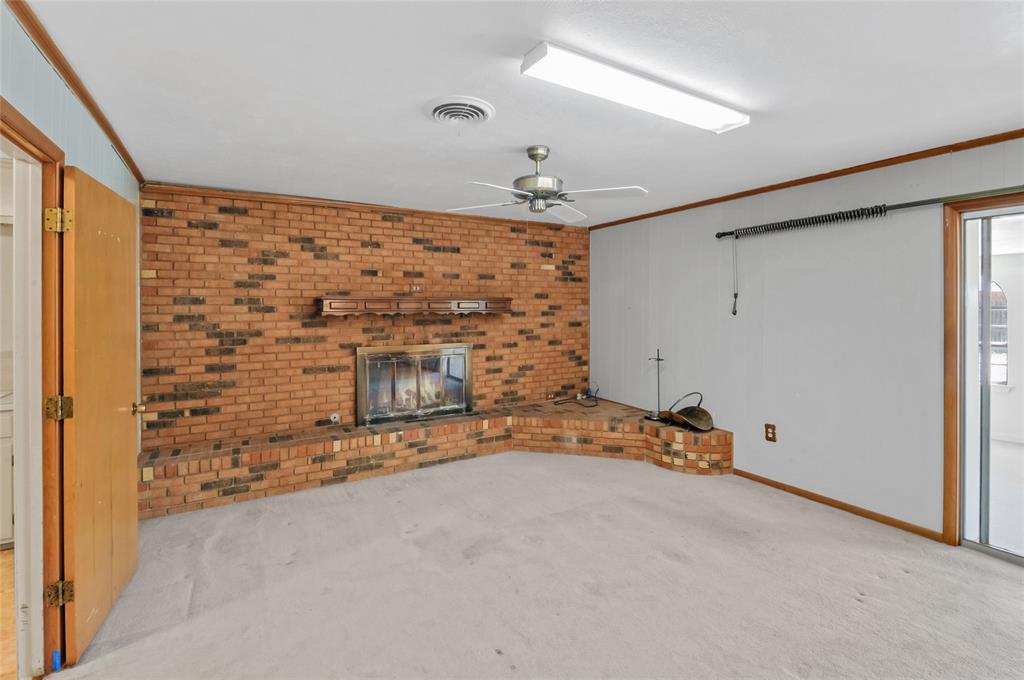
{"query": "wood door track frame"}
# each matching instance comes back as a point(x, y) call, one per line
point(952, 397)
point(19, 130)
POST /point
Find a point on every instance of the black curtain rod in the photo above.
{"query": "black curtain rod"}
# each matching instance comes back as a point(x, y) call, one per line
point(857, 214)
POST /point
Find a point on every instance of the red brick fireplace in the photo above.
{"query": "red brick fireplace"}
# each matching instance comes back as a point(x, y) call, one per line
point(234, 346)
point(254, 390)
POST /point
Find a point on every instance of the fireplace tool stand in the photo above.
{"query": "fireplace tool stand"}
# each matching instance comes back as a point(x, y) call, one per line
point(657, 359)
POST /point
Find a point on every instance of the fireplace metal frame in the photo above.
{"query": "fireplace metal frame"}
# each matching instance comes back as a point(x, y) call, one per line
point(366, 354)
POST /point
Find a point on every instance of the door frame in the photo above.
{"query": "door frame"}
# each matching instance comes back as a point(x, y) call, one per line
point(20, 131)
point(953, 386)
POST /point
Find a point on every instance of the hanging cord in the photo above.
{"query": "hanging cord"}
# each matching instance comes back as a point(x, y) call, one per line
point(880, 210)
point(735, 277)
point(787, 225)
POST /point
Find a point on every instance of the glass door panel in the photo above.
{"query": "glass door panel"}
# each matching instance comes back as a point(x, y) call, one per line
point(993, 474)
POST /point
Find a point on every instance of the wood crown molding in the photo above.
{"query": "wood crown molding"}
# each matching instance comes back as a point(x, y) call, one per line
point(37, 32)
point(291, 199)
point(853, 509)
point(852, 170)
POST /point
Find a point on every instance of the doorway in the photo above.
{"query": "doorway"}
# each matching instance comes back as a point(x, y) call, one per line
point(21, 556)
point(74, 388)
point(993, 381)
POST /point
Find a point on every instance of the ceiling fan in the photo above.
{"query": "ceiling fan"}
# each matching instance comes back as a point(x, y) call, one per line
point(543, 193)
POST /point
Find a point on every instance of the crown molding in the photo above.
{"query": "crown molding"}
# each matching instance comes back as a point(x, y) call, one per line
point(842, 172)
point(37, 32)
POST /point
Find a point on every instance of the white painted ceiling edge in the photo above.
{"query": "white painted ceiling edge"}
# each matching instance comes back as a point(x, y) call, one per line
point(327, 99)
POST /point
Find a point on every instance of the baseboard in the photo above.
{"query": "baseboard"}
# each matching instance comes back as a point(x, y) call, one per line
point(854, 509)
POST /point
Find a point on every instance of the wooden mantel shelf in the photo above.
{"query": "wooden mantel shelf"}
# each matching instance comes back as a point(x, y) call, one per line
point(350, 306)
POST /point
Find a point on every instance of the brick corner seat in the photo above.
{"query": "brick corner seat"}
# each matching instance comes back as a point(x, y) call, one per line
point(178, 480)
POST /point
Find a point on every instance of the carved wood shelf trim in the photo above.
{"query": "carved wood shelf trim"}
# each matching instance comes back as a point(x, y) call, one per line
point(352, 306)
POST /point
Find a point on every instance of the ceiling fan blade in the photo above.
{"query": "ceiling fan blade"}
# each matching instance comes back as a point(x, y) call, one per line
point(609, 192)
point(486, 205)
point(517, 192)
point(566, 213)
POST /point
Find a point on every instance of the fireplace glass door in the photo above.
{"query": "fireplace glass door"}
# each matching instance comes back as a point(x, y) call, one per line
point(402, 383)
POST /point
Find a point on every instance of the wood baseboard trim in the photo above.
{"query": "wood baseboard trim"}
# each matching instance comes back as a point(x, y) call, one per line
point(863, 167)
point(853, 509)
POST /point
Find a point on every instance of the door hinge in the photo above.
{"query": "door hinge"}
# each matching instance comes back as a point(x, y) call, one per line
point(60, 407)
point(59, 220)
point(60, 593)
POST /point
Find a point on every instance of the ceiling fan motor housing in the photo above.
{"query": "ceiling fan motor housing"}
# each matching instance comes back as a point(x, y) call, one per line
point(541, 186)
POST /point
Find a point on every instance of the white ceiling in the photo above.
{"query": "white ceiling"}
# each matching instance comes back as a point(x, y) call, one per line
point(327, 99)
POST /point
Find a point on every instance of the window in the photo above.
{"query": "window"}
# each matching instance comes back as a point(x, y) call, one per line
point(998, 336)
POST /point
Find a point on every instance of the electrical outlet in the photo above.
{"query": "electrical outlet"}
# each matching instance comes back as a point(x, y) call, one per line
point(416, 288)
point(769, 432)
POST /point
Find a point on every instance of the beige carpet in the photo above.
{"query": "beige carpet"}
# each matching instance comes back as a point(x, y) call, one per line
point(536, 566)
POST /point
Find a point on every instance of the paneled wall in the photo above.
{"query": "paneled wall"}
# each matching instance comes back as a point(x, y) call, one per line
point(233, 345)
point(31, 85)
point(838, 340)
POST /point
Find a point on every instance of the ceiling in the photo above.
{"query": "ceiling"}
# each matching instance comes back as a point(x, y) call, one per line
point(329, 99)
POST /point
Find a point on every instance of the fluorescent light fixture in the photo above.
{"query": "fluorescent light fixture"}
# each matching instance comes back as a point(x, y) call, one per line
point(570, 69)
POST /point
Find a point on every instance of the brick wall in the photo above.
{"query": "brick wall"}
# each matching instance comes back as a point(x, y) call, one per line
point(232, 345)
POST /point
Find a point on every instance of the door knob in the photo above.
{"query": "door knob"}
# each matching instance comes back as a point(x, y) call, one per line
point(138, 408)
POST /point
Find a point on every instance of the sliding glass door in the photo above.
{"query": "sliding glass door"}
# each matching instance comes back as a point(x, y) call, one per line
point(993, 474)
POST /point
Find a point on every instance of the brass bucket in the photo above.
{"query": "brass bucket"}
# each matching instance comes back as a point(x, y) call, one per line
point(693, 417)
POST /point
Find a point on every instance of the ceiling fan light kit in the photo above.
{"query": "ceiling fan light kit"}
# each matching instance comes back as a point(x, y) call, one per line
point(570, 69)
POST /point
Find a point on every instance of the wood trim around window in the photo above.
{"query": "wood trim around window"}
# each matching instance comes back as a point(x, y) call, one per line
point(19, 130)
point(37, 32)
point(864, 167)
point(952, 407)
point(952, 392)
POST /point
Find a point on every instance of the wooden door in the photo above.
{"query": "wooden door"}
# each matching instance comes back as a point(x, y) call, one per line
point(100, 374)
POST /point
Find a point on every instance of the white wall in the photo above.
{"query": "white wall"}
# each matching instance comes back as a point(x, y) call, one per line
point(33, 87)
point(838, 340)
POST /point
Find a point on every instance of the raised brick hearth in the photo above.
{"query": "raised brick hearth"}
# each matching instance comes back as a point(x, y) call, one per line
point(204, 477)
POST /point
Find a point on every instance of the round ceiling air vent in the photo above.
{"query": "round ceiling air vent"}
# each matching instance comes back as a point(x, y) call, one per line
point(459, 109)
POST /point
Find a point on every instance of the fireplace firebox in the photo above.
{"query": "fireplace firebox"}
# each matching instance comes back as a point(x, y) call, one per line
point(407, 382)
